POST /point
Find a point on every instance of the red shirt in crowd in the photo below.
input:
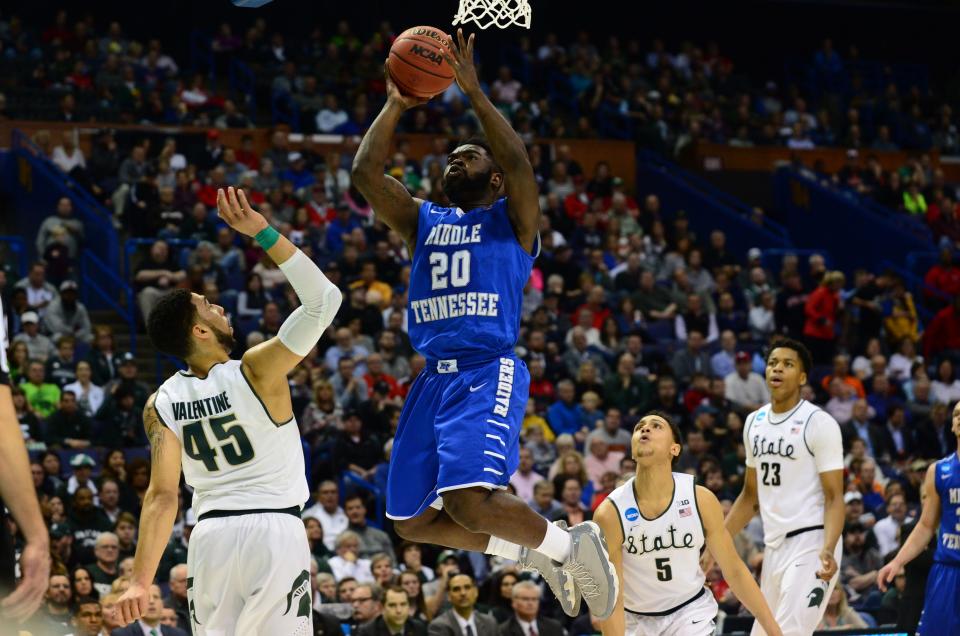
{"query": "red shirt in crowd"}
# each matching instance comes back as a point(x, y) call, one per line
point(943, 278)
point(821, 313)
point(943, 332)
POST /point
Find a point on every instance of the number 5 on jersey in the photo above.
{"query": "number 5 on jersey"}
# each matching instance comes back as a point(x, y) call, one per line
point(237, 449)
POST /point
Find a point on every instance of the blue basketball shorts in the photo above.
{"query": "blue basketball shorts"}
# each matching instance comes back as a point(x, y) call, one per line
point(941, 605)
point(459, 428)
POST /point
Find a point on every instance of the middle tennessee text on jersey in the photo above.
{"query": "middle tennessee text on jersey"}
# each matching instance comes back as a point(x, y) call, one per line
point(466, 283)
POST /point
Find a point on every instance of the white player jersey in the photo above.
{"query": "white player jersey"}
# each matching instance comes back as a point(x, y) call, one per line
point(789, 451)
point(661, 556)
point(235, 457)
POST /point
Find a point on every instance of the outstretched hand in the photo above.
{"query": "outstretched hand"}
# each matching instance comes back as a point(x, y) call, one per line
point(460, 59)
point(394, 94)
point(236, 211)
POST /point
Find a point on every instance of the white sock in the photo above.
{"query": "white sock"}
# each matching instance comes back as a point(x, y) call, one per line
point(556, 543)
point(503, 548)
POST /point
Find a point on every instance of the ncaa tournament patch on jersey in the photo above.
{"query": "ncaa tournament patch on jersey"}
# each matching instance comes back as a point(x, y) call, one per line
point(631, 514)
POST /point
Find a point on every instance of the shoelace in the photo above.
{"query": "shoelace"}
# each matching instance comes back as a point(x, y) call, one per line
point(589, 588)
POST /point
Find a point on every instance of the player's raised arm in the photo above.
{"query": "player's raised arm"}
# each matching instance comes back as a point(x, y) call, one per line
point(523, 197)
point(607, 518)
point(919, 539)
point(159, 512)
point(721, 547)
point(268, 363)
point(388, 197)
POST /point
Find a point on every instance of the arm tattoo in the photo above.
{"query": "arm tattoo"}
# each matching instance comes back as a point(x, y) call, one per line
point(154, 428)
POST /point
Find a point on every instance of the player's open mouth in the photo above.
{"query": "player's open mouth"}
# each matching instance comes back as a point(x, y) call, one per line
point(776, 381)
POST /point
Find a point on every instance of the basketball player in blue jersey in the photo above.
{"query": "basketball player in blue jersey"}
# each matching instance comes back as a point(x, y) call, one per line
point(941, 489)
point(457, 441)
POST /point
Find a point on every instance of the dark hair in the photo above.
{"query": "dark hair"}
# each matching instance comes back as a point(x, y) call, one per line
point(170, 323)
point(674, 430)
point(802, 352)
point(355, 495)
point(482, 143)
point(396, 589)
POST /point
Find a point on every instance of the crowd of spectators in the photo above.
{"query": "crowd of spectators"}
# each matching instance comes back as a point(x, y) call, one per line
point(627, 310)
point(330, 80)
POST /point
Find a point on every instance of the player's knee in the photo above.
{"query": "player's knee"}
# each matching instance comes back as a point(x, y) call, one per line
point(408, 529)
point(467, 509)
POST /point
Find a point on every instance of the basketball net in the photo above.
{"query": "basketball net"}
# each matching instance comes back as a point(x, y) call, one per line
point(501, 13)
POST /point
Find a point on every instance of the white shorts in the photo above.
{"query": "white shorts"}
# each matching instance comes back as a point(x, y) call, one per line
point(249, 575)
point(693, 619)
point(789, 582)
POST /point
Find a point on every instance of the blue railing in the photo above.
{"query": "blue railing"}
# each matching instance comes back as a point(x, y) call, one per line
point(734, 206)
point(857, 232)
point(18, 247)
point(39, 186)
point(92, 270)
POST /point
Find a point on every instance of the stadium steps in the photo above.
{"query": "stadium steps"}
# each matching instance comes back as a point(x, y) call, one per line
point(149, 365)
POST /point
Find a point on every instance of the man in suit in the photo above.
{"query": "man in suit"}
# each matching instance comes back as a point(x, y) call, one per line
point(691, 359)
point(395, 619)
point(934, 439)
point(150, 625)
point(526, 606)
point(462, 620)
point(860, 426)
point(367, 601)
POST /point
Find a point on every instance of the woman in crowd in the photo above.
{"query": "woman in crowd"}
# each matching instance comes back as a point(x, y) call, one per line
point(501, 595)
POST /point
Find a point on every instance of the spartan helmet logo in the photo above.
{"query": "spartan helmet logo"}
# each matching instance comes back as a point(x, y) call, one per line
point(301, 588)
point(816, 597)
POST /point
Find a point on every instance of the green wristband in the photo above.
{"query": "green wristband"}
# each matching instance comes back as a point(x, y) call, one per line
point(267, 237)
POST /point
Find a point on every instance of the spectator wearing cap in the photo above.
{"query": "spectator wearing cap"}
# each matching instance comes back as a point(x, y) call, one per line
point(745, 389)
point(39, 347)
point(67, 316)
point(127, 377)
point(61, 543)
point(40, 293)
point(61, 368)
point(372, 540)
point(155, 276)
point(43, 397)
point(297, 173)
point(104, 361)
point(69, 427)
point(343, 224)
point(64, 217)
point(354, 449)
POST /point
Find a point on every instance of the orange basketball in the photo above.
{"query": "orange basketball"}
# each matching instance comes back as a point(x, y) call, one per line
point(416, 63)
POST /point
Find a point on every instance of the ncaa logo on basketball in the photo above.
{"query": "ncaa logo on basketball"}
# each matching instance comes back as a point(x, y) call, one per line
point(426, 54)
point(632, 514)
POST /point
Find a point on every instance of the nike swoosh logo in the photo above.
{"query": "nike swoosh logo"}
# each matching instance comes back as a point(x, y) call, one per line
point(438, 211)
point(699, 621)
point(477, 388)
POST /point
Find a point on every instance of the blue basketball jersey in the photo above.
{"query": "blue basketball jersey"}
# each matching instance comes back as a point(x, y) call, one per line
point(947, 483)
point(466, 283)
